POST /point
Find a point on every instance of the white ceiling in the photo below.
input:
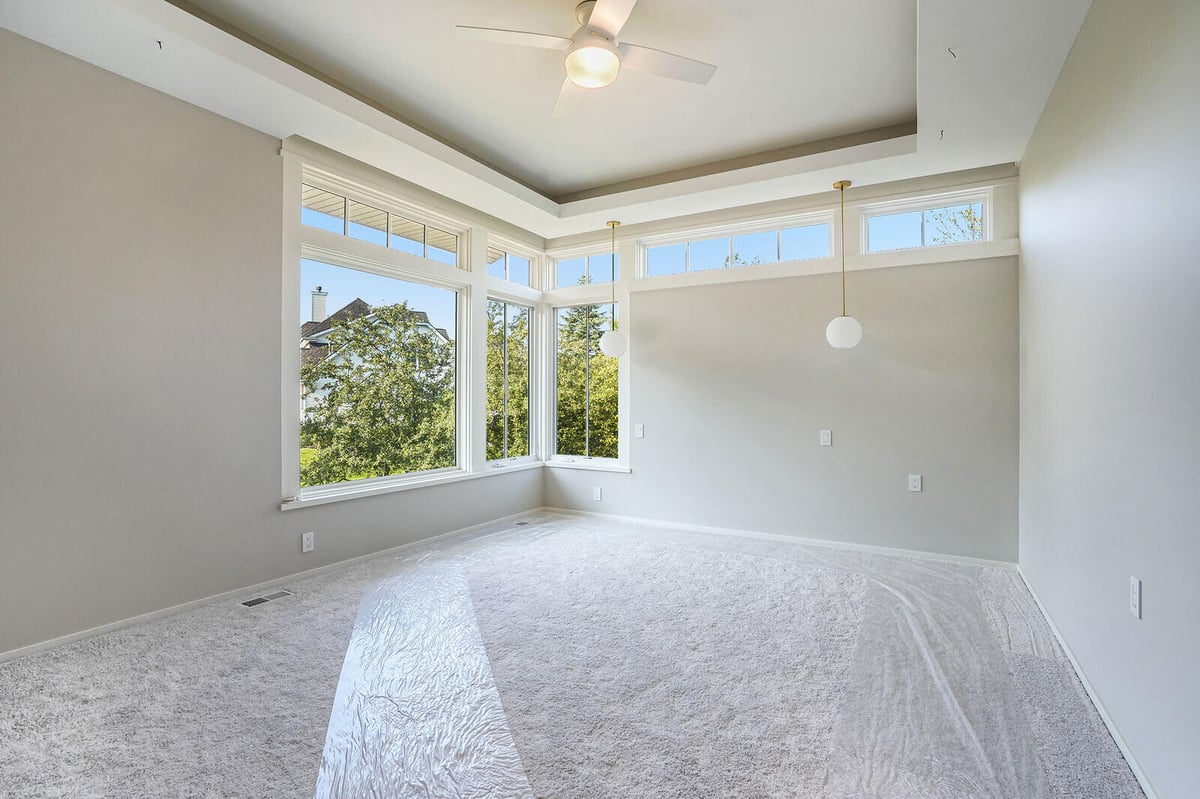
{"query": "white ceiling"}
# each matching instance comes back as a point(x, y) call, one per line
point(977, 73)
point(788, 73)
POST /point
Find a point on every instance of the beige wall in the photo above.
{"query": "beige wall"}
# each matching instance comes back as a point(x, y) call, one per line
point(734, 382)
point(1110, 373)
point(140, 299)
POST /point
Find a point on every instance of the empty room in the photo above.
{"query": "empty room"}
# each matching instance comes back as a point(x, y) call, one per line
point(583, 400)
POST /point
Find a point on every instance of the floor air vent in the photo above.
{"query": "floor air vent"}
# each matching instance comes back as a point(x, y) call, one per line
point(258, 600)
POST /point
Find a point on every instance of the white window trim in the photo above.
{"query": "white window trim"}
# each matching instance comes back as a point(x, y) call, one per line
point(867, 211)
point(514, 247)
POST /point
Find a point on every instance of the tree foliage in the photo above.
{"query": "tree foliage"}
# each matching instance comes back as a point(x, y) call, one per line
point(586, 384)
point(955, 224)
point(381, 402)
point(507, 337)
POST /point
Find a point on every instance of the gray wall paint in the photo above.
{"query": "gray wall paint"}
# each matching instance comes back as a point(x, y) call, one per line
point(139, 409)
point(1110, 375)
point(733, 383)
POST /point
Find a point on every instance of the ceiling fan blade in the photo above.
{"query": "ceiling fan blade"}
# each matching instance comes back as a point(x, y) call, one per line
point(570, 97)
point(610, 15)
point(521, 38)
point(667, 65)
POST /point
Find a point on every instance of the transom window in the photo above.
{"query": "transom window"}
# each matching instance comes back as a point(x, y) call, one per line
point(599, 268)
point(737, 250)
point(925, 226)
point(358, 220)
point(508, 266)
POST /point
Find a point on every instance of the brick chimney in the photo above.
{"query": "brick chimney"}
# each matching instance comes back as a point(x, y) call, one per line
point(318, 305)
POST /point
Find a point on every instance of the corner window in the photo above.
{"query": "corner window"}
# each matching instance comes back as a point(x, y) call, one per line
point(585, 383)
point(508, 428)
point(933, 226)
point(377, 375)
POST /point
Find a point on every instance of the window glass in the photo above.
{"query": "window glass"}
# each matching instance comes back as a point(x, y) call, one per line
point(518, 269)
point(585, 383)
point(407, 236)
point(377, 375)
point(954, 224)
point(894, 231)
point(570, 272)
point(323, 209)
point(708, 254)
point(441, 246)
point(752, 249)
point(367, 223)
point(495, 262)
point(507, 381)
point(800, 243)
point(670, 259)
point(603, 268)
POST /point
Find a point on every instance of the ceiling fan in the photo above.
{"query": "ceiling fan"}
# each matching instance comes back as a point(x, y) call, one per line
point(594, 56)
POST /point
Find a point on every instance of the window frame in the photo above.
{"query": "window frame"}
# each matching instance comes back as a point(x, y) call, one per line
point(511, 247)
point(554, 457)
point(924, 203)
point(534, 415)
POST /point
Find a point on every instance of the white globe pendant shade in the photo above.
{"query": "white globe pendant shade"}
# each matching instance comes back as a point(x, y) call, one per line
point(844, 332)
point(613, 344)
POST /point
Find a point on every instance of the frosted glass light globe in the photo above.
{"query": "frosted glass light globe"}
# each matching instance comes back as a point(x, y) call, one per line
point(844, 332)
point(613, 344)
point(592, 61)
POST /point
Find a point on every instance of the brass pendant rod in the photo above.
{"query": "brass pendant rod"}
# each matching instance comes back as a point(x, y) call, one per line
point(841, 187)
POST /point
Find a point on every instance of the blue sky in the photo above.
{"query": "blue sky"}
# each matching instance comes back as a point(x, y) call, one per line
point(344, 285)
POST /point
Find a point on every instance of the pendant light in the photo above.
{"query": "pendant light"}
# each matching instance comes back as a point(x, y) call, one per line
point(613, 342)
point(844, 332)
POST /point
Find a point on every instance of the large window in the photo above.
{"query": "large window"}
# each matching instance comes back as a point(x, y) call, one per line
point(925, 227)
point(377, 375)
point(508, 431)
point(744, 249)
point(585, 383)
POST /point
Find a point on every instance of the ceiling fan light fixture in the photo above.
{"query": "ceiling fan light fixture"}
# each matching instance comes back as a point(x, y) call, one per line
point(592, 60)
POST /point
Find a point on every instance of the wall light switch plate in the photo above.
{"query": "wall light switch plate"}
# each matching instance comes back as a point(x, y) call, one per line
point(1135, 597)
point(597, 494)
point(639, 431)
point(914, 483)
point(826, 438)
point(307, 542)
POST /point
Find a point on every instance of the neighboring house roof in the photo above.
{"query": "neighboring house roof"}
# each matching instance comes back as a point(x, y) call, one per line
point(313, 349)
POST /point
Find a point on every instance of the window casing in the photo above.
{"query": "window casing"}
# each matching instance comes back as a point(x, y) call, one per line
point(586, 396)
point(510, 266)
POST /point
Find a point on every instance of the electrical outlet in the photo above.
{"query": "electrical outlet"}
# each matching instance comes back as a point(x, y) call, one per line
point(639, 431)
point(597, 494)
point(1135, 597)
point(826, 438)
point(307, 542)
point(914, 483)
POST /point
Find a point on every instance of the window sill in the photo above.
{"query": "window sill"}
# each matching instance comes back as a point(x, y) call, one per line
point(323, 496)
point(590, 466)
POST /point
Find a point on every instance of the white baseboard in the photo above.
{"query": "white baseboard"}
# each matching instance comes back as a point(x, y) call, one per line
point(795, 539)
point(1134, 766)
point(256, 588)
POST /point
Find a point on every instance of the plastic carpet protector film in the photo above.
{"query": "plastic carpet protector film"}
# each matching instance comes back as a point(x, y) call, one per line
point(935, 675)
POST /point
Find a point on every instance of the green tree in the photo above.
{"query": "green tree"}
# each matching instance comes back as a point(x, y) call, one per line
point(586, 383)
point(955, 224)
point(381, 402)
point(507, 367)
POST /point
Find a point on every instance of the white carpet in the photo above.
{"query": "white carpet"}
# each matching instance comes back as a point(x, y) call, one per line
point(572, 658)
